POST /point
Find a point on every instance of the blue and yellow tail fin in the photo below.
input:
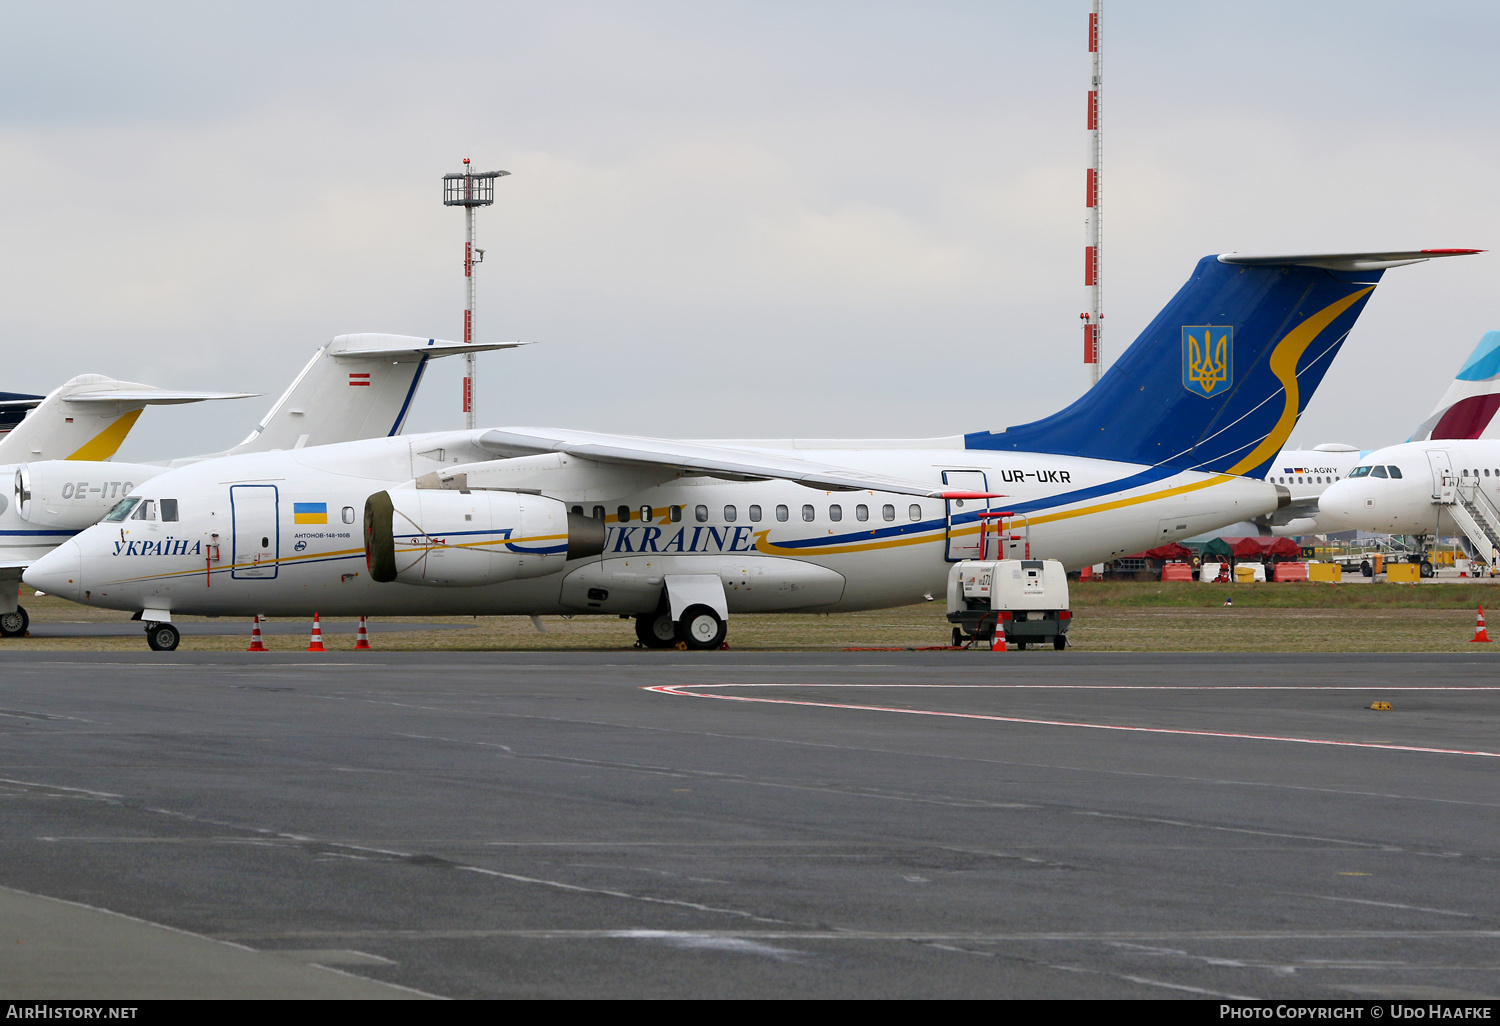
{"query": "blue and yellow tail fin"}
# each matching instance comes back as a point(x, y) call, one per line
point(1219, 378)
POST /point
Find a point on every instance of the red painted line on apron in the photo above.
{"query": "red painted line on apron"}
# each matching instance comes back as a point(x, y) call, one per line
point(680, 691)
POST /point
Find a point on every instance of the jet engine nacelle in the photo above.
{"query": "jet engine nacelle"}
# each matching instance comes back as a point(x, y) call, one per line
point(449, 538)
point(74, 494)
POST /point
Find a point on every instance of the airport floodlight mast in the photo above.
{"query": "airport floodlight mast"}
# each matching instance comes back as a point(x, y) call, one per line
point(1093, 236)
point(470, 189)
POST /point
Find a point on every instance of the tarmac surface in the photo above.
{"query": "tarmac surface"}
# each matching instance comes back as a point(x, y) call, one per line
point(1035, 824)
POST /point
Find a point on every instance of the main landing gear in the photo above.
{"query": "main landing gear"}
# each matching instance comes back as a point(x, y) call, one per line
point(162, 637)
point(13, 625)
point(699, 628)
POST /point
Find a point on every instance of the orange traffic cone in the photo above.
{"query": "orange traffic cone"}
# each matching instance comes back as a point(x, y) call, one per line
point(1479, 634)
point(363, 640)
point(255, 644)
point(997, 644)
point(316, 644)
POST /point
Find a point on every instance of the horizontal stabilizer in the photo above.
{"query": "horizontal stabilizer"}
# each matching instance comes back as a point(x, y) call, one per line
point(1344, 261)
point(697, 458)
point(362, 347)
point(154, 396)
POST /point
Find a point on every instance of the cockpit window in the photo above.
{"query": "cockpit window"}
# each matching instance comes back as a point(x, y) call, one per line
point(169, 511)
point(1360, 472)
point(1395, 471)
point(121, 511)
point(1378, 472)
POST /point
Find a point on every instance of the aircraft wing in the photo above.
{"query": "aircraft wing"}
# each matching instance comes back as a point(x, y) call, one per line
point(152, 396)
point(1295, 511)
point(708, 460)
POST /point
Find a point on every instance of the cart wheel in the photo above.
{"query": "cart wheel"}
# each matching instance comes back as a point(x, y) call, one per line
point(958, 638)
point(1060, 642)
point(1020, 646)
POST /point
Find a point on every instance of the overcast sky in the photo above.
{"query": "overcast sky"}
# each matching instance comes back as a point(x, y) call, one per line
point(753, 219)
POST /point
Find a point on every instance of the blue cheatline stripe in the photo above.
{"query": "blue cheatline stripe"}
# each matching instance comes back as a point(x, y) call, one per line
point(406, 405)
point(48, 534)
point(503, 532)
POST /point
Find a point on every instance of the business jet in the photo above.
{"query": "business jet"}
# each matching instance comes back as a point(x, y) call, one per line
point(1174, 440)
point(59, 456)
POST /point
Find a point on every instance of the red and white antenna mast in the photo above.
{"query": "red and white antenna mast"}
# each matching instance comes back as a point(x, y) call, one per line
point(1093, 242)
point(470, 189)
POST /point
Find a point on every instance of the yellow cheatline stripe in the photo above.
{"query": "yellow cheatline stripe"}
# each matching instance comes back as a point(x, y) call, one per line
point(107, 442)
point(762, 545)
point(1284, 365)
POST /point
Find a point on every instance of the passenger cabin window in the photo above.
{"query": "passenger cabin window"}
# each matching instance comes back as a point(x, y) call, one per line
point(578, 510)
point(145, 511)
point(730, 514)
point(755, 514)
point(915, 511)
point(647, 515)
point(700, 514)
point(169, 511)
point(347, 514)
point(888, 512)
point(675, 512)
point(807, 513)
point(598, 512)
point(623, 513)
point(1396, 472)
point(835, 513)
point(1378, 472)
point(121, 511)
point(861, 512)
point(783, 514)
point(1359, 472)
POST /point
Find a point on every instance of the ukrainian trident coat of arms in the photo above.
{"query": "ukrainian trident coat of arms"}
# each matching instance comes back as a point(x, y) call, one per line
point(1207, 359)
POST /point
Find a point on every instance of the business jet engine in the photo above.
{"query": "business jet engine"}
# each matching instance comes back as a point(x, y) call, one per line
point(456, 539)
point(73, 494)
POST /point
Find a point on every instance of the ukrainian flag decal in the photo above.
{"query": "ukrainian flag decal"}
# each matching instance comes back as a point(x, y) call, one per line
point(310, 512)
point(1207, 359)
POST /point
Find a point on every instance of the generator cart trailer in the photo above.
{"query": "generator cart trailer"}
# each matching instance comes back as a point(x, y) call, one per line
point(1025, 598)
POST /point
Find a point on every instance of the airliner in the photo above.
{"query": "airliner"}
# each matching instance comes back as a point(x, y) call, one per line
point(1446, 478)
point(1466, 410)
point(1174, 440)
point(60, 455)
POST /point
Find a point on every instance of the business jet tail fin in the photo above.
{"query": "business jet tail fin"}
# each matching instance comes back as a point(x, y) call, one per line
point(356, 386)
point(1217, 381)
point(1468, 408)
point(88, 418)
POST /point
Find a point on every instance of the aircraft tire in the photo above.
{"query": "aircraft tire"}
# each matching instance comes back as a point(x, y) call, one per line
point(162, 637)
point(1426, 570)
point(656, 630)
point(701, 628)
point(13, 625)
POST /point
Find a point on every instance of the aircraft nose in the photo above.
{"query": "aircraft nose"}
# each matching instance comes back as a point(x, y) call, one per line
point(1338, 504)
point(59, 572)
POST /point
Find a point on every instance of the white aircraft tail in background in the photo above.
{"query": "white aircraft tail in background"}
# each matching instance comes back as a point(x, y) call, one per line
point(88, 417)
point(356, 386)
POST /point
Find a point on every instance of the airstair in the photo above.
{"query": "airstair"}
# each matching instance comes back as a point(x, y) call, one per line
point(1476, 515)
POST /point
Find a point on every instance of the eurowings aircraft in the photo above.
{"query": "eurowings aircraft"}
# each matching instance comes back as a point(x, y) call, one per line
point(1467, 410)
point(355, 386)
point(1174, 440)
point(1446, 477)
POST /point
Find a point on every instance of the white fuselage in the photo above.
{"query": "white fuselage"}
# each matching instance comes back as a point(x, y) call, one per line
point(833, 549)
point(1409, 504)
